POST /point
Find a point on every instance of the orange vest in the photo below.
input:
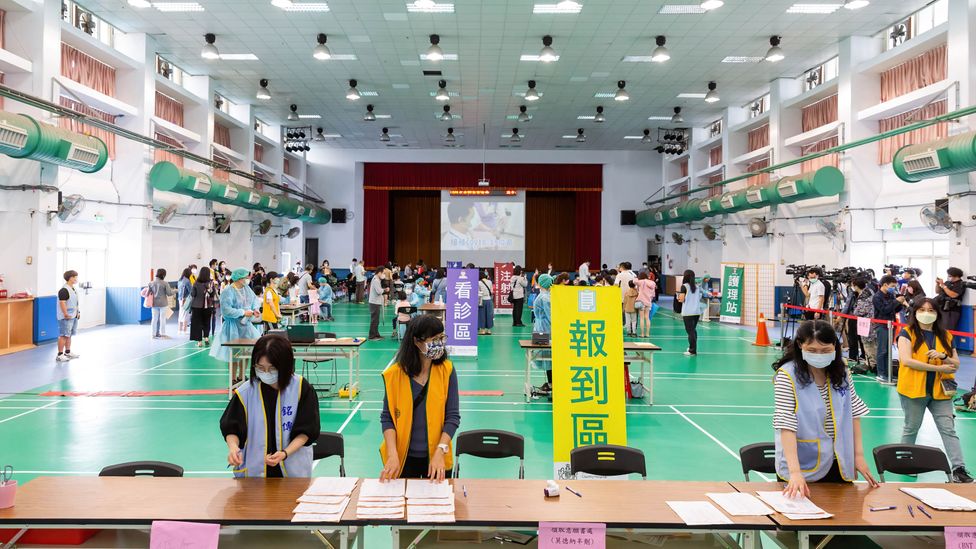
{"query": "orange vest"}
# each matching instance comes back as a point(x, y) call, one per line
point(911, 382)
point(399, 398)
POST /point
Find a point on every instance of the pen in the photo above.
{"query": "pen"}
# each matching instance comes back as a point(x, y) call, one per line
point(571, 491)
point(923, 511)
point(888, 508)
point(910, 512)
point(465, 490)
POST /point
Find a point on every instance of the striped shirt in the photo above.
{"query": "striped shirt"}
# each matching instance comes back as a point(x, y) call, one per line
point(784, 415)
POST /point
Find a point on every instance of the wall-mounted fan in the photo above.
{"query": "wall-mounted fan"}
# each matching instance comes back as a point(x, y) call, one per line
point(833, 232)
point(166, 215)
point(222, 224)
point(709, 232)
point(264, 226)
point(937, 220)
point(757, 227)
point(292, 232)
point(658, 238)
point(898, 34)
point(70, 207)
point(677, 238)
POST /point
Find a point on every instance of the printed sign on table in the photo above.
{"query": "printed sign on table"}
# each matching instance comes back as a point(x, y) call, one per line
point(588, 405)
point(958, 537)
point(732, 279)
point(183, 535)
point(503, 285)
point(461, 316)
point(556, 535)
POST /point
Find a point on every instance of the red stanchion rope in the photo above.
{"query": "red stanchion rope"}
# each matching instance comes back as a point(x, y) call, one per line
point(873, 321)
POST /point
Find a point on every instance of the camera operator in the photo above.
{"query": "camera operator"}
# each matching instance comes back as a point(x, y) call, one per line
point(949, 297)
point(887, 303)
point(815, 293)
point(861, 305)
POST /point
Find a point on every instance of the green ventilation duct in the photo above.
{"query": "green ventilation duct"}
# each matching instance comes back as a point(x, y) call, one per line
point(290, 208)
point(22, 136)
point(645, 218)
point(691, 210)
point(224, 192)
point(827, 181)
point(946, 156)
point(710, 206)
point(166, 176)
point(316, 214)
point(269, 203)
point(733, 202)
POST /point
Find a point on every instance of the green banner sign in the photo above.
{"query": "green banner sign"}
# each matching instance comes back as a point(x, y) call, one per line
point(732, 285)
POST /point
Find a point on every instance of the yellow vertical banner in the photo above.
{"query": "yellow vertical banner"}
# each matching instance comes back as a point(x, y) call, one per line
point(588, 402)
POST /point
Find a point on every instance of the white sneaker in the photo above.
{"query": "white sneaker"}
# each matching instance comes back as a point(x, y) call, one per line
point(62, 358)
point(688, 353)
point(72, 355)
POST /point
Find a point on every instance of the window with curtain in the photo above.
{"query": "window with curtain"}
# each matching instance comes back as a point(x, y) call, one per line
point(888, 147)
point(3, 28)
point(76, 126)
point(817, 163)
point(914, 74)
point(683, 166)
point(678, 189)
point(169, 109)
point(160, 155)
point(715, 156)
point(286, 166)
point(220, 174)
point(760, 179)
point(258, 152)
point(221, 135)
point(819, 114)
point(759, 138)
point(717, 178)
point(87, 71)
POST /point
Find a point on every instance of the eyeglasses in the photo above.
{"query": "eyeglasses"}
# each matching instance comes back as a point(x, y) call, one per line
point(440, 338)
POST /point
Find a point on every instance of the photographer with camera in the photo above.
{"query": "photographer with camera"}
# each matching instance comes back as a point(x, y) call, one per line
point(948, 297)
point(814, 291)
point(861, 304)
point(887, 304)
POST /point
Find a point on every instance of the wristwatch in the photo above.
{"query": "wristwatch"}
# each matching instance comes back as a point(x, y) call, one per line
point(443, 448)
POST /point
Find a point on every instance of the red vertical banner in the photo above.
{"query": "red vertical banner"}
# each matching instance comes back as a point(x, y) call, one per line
point(503, 285)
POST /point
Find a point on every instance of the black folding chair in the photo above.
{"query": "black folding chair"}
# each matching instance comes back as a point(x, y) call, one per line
point(328, 445)
point(142, 469)
point(607, 460)
point(490, 444)
point(334, 381)
point(396, 319)
point(910, 459)
point(759, 457)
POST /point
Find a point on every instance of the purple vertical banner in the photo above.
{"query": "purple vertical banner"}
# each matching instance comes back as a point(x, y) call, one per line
point(461, 316)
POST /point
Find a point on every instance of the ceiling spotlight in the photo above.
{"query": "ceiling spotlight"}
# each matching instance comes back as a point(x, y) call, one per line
point(263, 91)
point(369, 116)
point(712, 95)
point(855, 4)
point(659, 149)
point(677, 118)
point(434, 52)
point(446, 115)
point(293, 115)
point(621, 94)
point(442, 94)
point(709, 5)
point(660, 53)
point(319, 134)
point(580, 136)
point(322, 52)
point(599, 118)
point(531, 94)
point(352, 93)
point(523, 116)
point(385, 136)
point(775, 52)
point(450, 136)
point(547, 55)
point(647, 137)
point(516, 138)
point(209, 50)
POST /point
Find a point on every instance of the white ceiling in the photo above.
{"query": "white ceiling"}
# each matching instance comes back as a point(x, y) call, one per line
point(489, 36)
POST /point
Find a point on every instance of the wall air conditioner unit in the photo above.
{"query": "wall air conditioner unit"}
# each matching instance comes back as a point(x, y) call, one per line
point(705, 207)
point(253, 198)
point(659, 216)
point(312, 212)
point(230, 193)
point(673, 213)
point(728, 202)
point(300, 210)
point(202, 185)
point(787, 189)
point(12, 136)
point(272, 203)
point(83, 155)
point(923, 162)
point(754, 196)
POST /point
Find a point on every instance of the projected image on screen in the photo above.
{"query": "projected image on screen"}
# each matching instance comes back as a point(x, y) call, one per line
point(483, 229)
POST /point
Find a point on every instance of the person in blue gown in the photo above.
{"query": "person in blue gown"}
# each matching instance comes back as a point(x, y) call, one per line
point(241, 313)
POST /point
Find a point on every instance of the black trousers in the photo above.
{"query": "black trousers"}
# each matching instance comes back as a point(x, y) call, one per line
point(517, 305)
point(853, 341)
point(200, 323)
point(374, 320)
point(416, 467)
point(691, 327)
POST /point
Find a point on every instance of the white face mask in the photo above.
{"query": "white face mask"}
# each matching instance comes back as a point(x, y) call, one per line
point(193, 272)
point(819, 360)
point(268, 378)
point(925, 317)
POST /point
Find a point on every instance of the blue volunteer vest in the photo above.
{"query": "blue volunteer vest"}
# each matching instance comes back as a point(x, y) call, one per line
point(815, 449)
point(72, 304)
point(298, 464)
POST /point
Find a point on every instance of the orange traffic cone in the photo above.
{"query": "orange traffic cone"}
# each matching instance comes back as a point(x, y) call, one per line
point(762, 336)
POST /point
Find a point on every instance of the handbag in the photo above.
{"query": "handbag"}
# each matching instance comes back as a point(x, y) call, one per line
point(638, 305)
point(949, 387)
point(147, 297)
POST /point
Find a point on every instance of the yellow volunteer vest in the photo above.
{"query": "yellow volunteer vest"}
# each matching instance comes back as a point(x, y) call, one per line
point(911, 382)
point(267, 311)
point(400, 400)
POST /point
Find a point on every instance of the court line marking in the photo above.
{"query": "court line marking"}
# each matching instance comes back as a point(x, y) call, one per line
point(27, 412)
point(349, 417)
point(715, 440)
point(172, 361)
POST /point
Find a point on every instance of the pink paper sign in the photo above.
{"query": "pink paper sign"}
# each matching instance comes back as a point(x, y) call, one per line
point(864, 327)
point(557, 535)
point(960, 538)
point(183, 535)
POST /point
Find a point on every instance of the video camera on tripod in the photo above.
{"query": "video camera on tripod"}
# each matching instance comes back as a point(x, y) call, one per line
point(970, 282)
point(897, 270)
point(800, 271)
point(846, 275)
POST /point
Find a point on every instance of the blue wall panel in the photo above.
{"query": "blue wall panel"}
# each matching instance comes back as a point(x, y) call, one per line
point(124, 306)
point(45, 318)
point(965, 325)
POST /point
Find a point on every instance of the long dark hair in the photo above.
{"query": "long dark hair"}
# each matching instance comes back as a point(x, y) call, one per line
point(689, 278)
point(186, 273)
point(823, 332)
point(204, 277)
point(419, 328)
point(277, 349)
point(914, 329)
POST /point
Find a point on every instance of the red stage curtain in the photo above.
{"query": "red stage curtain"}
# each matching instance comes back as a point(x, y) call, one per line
point(376, 227)
point(587, 246)
point(536, 177)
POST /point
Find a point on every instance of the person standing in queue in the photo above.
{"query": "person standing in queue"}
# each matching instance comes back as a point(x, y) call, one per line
point(817, 414)
point(278, 442)
point(421, 405)
point(690, 297)
point(377, 298)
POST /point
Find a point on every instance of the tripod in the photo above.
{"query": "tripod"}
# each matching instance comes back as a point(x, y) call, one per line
point(794, 297)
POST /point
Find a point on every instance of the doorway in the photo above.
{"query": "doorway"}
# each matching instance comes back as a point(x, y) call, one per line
point(85, 253)
point(312, 252)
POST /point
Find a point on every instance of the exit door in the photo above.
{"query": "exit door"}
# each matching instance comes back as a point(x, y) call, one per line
point(312, 251)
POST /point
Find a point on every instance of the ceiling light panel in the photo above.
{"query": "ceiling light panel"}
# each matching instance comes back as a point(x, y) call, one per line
point(288, 5)
point(446, 57)
point(534, 58)
point(813, 8)
point(310, 116)
point(568, 8)
point(604, 95)
point(238, 57)
point(424, 7)
point(367, 93)
point(741, 59)
point(585, 117)
point(171, 7)
point(668, 118)
point(449, 94)
point(681, 9)
point(690, 96)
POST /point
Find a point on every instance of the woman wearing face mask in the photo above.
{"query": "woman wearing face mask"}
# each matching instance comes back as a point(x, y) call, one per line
point(278, 442)
point(240, 310)
point(927, 381)
point(421, 410)
point(817, 413)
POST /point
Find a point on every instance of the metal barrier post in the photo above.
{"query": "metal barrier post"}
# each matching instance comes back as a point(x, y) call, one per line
point(783, 319)
point(889, 325)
